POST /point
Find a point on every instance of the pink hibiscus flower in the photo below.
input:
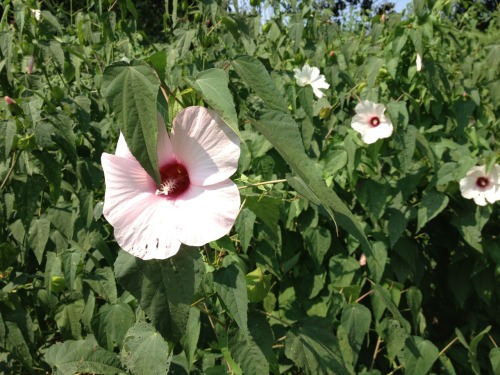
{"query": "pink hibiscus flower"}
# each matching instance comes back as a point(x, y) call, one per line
point(196, 202)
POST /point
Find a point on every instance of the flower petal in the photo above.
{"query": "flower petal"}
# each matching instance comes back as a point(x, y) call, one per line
point(122, 149)
point(205, 145)
point(480, 200)
point(314, 74)
point(140, 218)
point(207, 213)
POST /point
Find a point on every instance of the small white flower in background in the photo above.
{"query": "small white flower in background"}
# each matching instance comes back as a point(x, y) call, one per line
point(371, 122)
point(310, 76)
point(37, 13)
point(482, 187)
point(419, 62)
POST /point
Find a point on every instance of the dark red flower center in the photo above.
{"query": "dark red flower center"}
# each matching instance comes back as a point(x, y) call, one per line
point(482, 182)
point(374, 121)
point(174, 180)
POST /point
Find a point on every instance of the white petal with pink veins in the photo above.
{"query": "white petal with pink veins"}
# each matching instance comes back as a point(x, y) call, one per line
point(205, 214)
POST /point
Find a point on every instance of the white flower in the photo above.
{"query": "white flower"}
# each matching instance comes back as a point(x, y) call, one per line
point(483, 188)
point(37, 13)
point(310, 76)
point(370, 121)
point(196, 202)
point(418, 62)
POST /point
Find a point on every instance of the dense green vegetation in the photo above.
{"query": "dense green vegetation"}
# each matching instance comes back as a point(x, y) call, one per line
point(284, 291)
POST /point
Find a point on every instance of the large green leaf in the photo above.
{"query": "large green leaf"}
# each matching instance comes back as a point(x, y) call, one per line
point(283, 133)
point(131, 91)
point(83, 356)
point(384, 297)
point(314, 348)
point(317, 242)
point(164, 288)
point(145, 351)
point(433, 202)
point(212, 85)
point(38, 237)
point(419, 355)
point(68, 316)
point(256, 76)
point(231, 287)
point(111, 324)
point(356, 320)
point(253, 352)
point(27, 200)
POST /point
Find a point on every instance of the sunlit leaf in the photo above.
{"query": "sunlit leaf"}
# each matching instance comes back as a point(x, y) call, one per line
point(131, 91)
point(145, 351)
point(83, 356)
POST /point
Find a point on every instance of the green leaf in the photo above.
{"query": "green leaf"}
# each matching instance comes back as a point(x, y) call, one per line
point(68, 316)
point(145, 351)
point(433, 203)
point(419, 355)
point(258, 285)
point(283, 133)
point(131, 91)
point(313, 347)
point(384, 296)
point(212, 85)
point(473, 350)
point(231, 287)
point(414, 300)
point(244, 227)
point(253, 72)
point(16, 344)
point(342, 270)
point(72, 266)
point(345, 348)
point(27, 200)
point(377, 262)
point(395, 336)
point(495, 360)
point(356, 320)
point(266, 208)
point(111, 324)
point(83, 356)
point(190, 339)
point(8, 132)
point(164, 288)
point(8, 255)
point(317, 242)
point(398, 114)
point(374, 204)
point(51, 171)
point(102, 281)
point(254, 352)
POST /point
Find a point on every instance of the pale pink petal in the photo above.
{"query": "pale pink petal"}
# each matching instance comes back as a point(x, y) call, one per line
point(138, 216)
point(205, 145)
point(207, 213)
point(122, 149)
point(480, 200)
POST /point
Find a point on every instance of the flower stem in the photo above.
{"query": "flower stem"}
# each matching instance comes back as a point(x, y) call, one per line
point(262, 183)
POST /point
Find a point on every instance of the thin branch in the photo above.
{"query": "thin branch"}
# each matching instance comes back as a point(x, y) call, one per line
point(448, 346)
point(262, 183)
point(11, 169)
point(375, 352)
